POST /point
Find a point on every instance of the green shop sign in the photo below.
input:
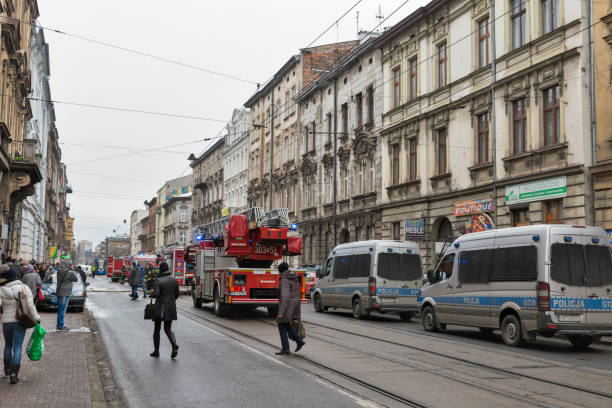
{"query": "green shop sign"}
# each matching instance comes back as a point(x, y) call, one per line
point(536, 191)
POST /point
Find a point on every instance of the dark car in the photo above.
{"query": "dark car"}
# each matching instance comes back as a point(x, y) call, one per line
point(77, 299)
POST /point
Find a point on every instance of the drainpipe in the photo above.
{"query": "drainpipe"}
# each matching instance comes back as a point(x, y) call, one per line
point(494, 138)
point(590, 213)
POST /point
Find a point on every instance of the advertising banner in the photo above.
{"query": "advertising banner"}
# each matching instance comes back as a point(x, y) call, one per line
point(53, 252)
point(536, 191)
point(468, 207)
point(478, 223)
point(414, 229)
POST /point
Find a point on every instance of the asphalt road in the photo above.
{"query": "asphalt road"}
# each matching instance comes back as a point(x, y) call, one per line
point(211, 369)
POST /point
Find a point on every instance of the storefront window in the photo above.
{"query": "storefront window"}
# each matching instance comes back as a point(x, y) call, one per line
point(553, 211)
point(520, 216)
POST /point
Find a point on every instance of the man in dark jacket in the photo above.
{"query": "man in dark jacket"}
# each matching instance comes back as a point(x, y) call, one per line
point(165, 291)
point(289, 302)
point(63, 290)
point(134, 280)
point(82, 273)
point(32, 280)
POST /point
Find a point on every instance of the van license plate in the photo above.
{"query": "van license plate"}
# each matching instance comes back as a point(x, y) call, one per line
point(570, 318)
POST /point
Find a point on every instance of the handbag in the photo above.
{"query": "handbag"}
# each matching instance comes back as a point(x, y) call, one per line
point(298, 326)
point(152, 311)
point(22, 314)
point(39, 295)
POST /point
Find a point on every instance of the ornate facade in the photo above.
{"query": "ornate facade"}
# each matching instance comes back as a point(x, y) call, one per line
point(236, 161)
point(358, 155)
point(207, 197)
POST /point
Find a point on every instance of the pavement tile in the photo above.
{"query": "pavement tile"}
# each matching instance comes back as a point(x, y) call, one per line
point(61, 377)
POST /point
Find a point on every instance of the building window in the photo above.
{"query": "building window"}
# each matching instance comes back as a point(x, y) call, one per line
point(553, 212)
point(313, 136)
point(359, 108)
point(483, 138)
point(370, 102)
point(519, 125)
point(412, 145)
point(396, 87)
point(520, 217)
point(413, 78)
point(358, 232)
point(329, 183)
point(291, 152)
point(549, 15)
point(441, 151)
point(483, 43)
point(361, 174)
point(290, 198)
point(371, 166)
point(278, 111)
point(345, 186)
point(288, 102)
point(395, 231)
point(395, 165)
point(329, 128)
point(285, 149)
point(442, 59)
point(551, 115)
point(518, 23)
point(306, 131)
point(344, 118)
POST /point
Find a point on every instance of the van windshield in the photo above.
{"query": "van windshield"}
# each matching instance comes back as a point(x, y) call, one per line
point(580, 265)
point(395, 266)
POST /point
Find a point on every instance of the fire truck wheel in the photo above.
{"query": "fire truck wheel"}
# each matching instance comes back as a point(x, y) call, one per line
point(197, 302)
point(219, 308)
point(272, 311)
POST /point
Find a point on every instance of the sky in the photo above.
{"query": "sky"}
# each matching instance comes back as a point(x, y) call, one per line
point(115, 159)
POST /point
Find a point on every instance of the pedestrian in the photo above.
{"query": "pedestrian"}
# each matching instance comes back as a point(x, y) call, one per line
point(289, 302)
point(12, 329)
point(93, 271)
point(32, 280)
point(165, 291)
point(63, 289)
point(142, 280)
point(42, 271)
point(134, 280)
point(82, 274)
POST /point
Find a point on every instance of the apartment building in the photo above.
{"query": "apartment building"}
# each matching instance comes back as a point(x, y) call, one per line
point(207, 196)
point(236, 161)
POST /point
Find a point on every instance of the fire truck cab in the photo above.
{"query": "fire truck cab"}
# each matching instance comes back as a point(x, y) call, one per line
point(234, 263)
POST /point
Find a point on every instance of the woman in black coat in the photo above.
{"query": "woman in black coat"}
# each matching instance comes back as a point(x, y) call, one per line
point(165, 291)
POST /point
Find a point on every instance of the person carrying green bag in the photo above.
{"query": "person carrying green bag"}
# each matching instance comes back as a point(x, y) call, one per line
point(36, 347)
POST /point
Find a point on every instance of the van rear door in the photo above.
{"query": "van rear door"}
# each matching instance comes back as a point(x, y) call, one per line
point(399, 274)
point(568, 293)
point(598, 278)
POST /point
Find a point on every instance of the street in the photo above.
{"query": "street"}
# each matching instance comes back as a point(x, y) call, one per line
point(346, 362)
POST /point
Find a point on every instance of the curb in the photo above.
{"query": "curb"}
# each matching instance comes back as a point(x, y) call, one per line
point(103, 381)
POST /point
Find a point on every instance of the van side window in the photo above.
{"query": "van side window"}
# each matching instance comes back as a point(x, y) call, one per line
point(599, 265)
point(567, 264)
point(474, 266)
point(514, 264)
point(359, 266)
point(341, 267)
point(328, 267)
point(445, 268)
point(396, 266)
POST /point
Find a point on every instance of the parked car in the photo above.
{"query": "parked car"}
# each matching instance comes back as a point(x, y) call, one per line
point(77, 299)
point(311, 279)
point(539, 280)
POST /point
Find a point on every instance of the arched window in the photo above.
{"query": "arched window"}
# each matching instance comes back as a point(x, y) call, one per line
point(445, 230)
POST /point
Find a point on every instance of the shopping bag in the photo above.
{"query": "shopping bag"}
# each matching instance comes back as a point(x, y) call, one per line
point(36, 346)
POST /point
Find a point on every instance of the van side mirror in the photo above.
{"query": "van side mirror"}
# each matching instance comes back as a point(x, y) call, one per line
point(430, 276)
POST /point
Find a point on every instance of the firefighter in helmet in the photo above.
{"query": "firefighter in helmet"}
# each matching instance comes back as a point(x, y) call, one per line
point(151, 273)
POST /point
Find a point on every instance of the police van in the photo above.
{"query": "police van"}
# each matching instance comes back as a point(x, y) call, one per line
point(534, 280)
point(364, 276)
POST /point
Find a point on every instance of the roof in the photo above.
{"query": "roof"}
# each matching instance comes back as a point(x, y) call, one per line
point(268, 86)
point(182, 197)
point(345, 62)
point(208, 151)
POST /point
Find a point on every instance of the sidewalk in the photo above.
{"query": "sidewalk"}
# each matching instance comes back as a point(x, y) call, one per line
point(66, 376)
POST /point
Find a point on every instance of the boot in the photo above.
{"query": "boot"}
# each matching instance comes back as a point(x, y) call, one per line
point(14, 373)
point(7, 368)
point(175, 346)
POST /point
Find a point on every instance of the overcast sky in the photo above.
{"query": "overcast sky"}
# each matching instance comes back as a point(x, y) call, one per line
point(246, 39)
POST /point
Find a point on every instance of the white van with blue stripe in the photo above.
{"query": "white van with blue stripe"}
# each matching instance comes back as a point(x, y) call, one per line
point(543, 280)
point(366, 276)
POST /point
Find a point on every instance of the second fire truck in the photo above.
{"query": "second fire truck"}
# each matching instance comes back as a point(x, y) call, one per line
point(234, 262)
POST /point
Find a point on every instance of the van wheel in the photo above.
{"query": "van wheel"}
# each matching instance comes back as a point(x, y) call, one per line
point(218, 308)
point(318, 305)
point(486, 330)
point(406, 316)
point(272, 311)
point(580, 341)
point(429, 319)
point(358, 312)
point(511, 330)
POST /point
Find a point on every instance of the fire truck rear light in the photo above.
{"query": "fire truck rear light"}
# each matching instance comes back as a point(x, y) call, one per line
point(543, 290)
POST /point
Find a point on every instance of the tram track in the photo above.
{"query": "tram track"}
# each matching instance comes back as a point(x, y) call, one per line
point(466, 361)
point(240, 335)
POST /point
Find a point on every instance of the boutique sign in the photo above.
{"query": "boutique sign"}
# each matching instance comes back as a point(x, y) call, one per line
point(477, 206)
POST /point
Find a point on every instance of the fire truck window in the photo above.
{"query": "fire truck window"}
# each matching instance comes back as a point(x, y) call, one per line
point(474, 266)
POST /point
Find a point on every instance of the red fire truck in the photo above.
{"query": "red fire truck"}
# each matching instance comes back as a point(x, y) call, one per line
point(233, 266)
